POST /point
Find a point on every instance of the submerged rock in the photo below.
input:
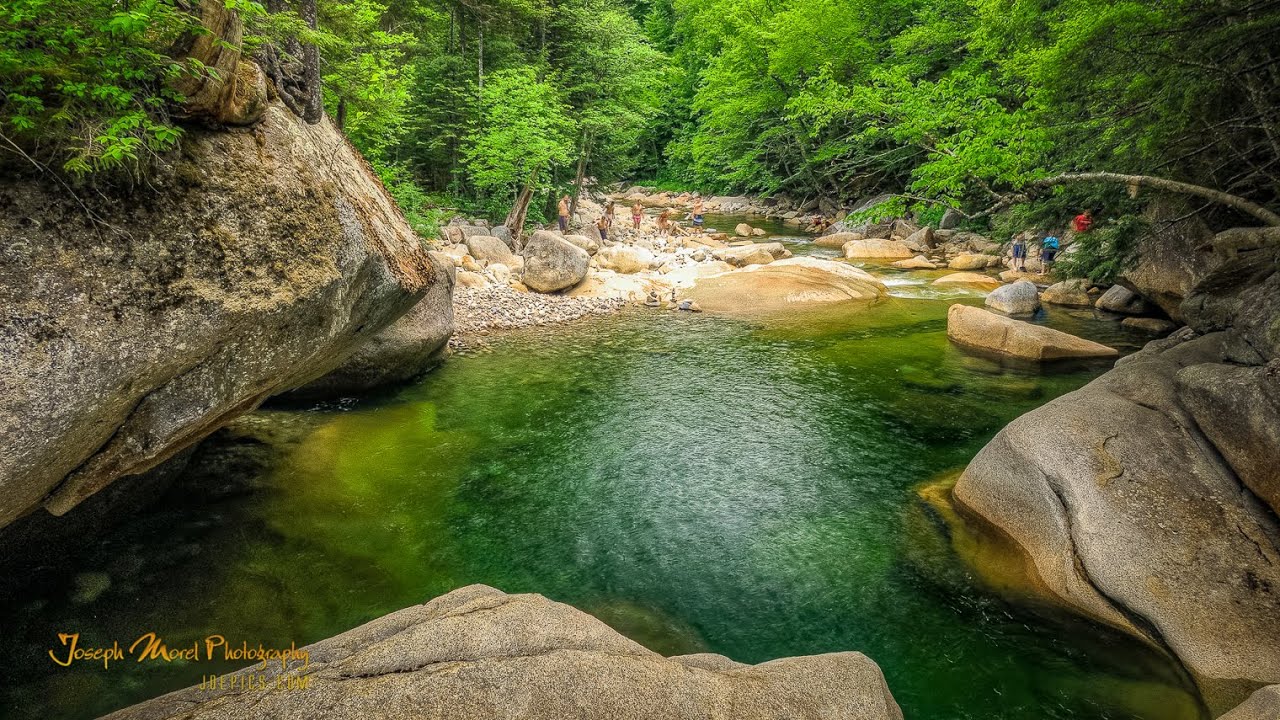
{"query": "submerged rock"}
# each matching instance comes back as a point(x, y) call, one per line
point(254, 263)
point(1151, 326)
point(478, 653)
point(984, 330)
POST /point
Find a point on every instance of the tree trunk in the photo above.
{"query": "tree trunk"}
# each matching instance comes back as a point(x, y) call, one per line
point(520, 211)
point(342, 114)
point(1233, 201)
point(313, 109)
point(584, 151)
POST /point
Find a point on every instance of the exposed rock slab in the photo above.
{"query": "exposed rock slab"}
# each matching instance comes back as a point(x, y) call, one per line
point(479, 654)
point(1126, 512)
point(257, 262)
point(1263, 704)
point(786, 284)
point(876, 248)
point(969, 278)
point(983, 330)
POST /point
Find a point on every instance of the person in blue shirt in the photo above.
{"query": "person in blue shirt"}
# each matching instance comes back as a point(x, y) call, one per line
point(1048, 249)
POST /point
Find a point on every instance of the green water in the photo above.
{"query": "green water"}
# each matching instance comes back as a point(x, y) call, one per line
point(702, 484)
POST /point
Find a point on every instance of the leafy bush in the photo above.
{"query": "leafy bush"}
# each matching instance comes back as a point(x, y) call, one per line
point(87, 83)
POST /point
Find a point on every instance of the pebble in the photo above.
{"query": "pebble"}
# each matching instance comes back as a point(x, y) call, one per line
point(479, 312)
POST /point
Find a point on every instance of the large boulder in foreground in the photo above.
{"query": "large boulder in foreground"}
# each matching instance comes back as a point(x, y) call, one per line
point(478, 654)
point(255, 262)
point(983, 330)
point(786, 284)
point(1123, 509)
point(552, 263)
point(409, 347)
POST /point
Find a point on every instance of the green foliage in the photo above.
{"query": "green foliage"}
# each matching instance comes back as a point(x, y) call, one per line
point(524, 132)
point(1105, 252)
point(88, 83)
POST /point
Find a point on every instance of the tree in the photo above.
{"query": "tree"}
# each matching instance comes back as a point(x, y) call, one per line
point(525, 132)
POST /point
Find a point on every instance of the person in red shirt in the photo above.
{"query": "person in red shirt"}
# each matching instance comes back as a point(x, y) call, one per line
point(1084, 221)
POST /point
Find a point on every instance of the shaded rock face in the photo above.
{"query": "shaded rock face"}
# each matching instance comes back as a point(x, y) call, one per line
point(407, 348)
point(257, 262)
point(1018, 298)
point(1125, 510)
point(551, 263)
point(477, 653)
point(982, 330)
point(1238, 409)
point(1242, 298)
point(786, 284)
point(1169, 259)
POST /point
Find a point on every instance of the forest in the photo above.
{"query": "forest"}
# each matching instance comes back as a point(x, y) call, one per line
point(924, 104)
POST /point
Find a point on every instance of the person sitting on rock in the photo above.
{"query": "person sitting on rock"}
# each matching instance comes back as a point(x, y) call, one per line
point(637, 214)
point(1019, 254)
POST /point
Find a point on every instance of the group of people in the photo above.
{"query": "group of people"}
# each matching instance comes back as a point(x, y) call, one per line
point(1049, 244)
point(666, 226)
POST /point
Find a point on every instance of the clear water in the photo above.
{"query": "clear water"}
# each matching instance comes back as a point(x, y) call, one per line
point(701, 484)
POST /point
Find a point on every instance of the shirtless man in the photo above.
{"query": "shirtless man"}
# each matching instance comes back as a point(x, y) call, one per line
point(563, 215)
point(697, 214)
point(637, 214)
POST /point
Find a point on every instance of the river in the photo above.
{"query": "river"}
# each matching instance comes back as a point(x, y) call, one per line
point(699, 483)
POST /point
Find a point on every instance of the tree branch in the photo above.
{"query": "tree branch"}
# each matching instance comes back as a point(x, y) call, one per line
point(1233, 201)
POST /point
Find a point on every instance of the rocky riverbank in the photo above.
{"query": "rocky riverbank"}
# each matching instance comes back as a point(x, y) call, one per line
point(481, 312)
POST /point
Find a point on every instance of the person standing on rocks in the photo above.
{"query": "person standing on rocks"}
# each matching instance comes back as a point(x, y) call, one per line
point(664, 222)
point(1019, 254)
point(603, 226)
point(608, 213)
point(563, 216)
point(696, 215)
point(637, 214)
point(1048, 249)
